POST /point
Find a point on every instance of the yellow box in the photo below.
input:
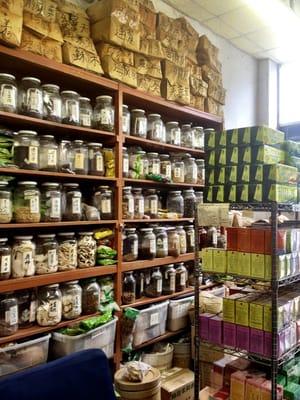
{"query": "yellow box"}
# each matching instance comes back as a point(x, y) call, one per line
point(257, 314)
point(242, 309)
point(207, 259)
point(258, 265)
point(229, 307)
point(244, 264)
point(220, 260)
point(268, 316)
point(232, 262)
point(268, 267)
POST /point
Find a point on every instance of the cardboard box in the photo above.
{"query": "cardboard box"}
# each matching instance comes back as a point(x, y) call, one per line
point(229, 334)
point(257, 173)
point(257, 341)
point(177, 382)
point(80, 58)
point(207, 54)
point(147, 66)
point(45, 9)
point(42, 28)
point(12, 6)
point(119, 71)
point(207, 259)
point(230, 193)
point(257, 314)
point(220, 175)
point(221, 157)
point(280, 193)
point(149, 84)
point(242, 193)
point(197, 102)
point(44, 47)
point(232, 238)
point(257, 241)
point(238, 385)
point(127, 11)
point(257, 135)
point(10, 28)
point(279, 173)
point(204, 325)
point(215, 334)
point(178, 93)
point(210, 139)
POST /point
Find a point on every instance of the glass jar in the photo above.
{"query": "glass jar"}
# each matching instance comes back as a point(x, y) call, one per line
point(199, 197)
point(182, 239)
point(130, 245)
point(71, 202)
point(187, 136)
point(129, 287)
point(27, 202)
point(48, 153)
point(5, 203)
point(139, 277)
point(190, 238)
point(51, 202)
point(125, 120)
point(145, 165)
point(23, 256)
point(8, 314)
point(173, 133)
point(181, 277)
point(27, 305)
point(90, 296)
point(161, 242)
point(136, 165)
point(109, 162)
point(46, 257)
point(200, 172)
point(96, 161)
point(190, 171)
point(65, 156)
point(154, 289)
point(169, 279)
point(85, 112)
point(67, 251)
point(155, 128)
point(105, 204)
point(189, 199)
point(147, 244)
point(138, 123)
point(154, 163)
point(139, 203)
point(70, 107)
point(86, 250)
point(26, 150)
point(165, 166)
point(81, 157)
point(51, 103)
point(49, 309)
point(8, 93)
point(198, 137)
point(71, 300)
point(125, 163)
point(31, 97)
point(177, 170)
point(173, 243)
point(128, 203)
point(104, 113)
point(175, 203)
point(151, 203)
point(5, 259)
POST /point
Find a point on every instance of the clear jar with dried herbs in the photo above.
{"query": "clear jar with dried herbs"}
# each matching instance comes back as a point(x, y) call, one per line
point(200, 172)
point(26, 150)
point(199, 137)
point(161, 242)
point(173, 133)
point(27, 202)
point(71, 300)
point(155, 128)
point(51, 202)
point(189, 199)
point(187, 136)
point(151, 203)
point(169, 279)
point(5, 259)
point(104, 113)
point(109, 162)
point(129, 287)
point(90, 296)
point(139, 203)
point(46, 256)
point(72, 202)
point(65, 156)
point(27, 304)
point(96, 160)
point(175, 203)
point(125, 120)
point(130, 245)
point(31, 97)
point(177, 170)
point(9, 314)
point(70, 107)
point(86, 250)
point(8, 93)
point(85, 112)
point(165, 166)
point(52, 103)
point(49, 309)
point(182, 239)
point(136, 164)
point(138, 123)
point(147, 244)
point(128, 203)
point(67, 251)
point(81, 157)
point(125, 162)
point(181, 277)
point(173, 243)
point(139, 277)
point(190, 171)
point(5, 203)
point(23, 257)
point(154, 163)
point(154, 289)
point(190, 238)
point(48, 151)
point(106, 204)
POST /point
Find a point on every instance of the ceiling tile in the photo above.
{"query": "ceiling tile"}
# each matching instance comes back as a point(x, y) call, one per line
point(190, 8)
point(244, 20)
point(266, 38)
point(280, 55)
point(246, 45)
point(218, 7)
point(220, 28)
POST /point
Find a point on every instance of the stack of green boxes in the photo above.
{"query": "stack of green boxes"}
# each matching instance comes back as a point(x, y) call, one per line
point(289, 378)
point(248, 165)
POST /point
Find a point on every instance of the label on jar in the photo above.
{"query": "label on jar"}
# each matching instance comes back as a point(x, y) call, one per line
point(72, 109)
point(191, 235)
point(182, 279)
point(177, 172)
point(77, 304)
point(152, 246)
point(153, 206)
point(125, 124)
point(140, 206)
point(55, 207)
point(99, 163)
point(194, 173)
point(130, 206)
point(72, 255)
point(168, 171)
point(32, 310)
point(162, 244)
point(155, 169)
point(182, 239)
point(105, 206)
point(154, 319)
point(8, 95)
point(125, 165)
point(134, 248)
point(33, 155)
point(159, 285)
point(142, 285)
point(52, 157)
point(28, 263)
point(34, 204)
point(140, 126)
point(52, 258)
point(11, 316)
point(54, 308)
point(5, 264)
point(105, 117)
point(56, 107)
point(5, 207)
point(76, 205)
point(172, 282)
point(34, 100)
point(85, 119)
point(79, 161)
point(176, 136)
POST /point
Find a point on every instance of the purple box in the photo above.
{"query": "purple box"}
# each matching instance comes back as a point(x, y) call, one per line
point(256, 341)
point(268, 344)
point(242, 337)
point(203, 320)
point(215, 326)
point(229, 334)
point(281, 342)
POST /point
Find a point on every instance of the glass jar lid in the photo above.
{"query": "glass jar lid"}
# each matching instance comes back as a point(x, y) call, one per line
point(103, 97)
point(154, 115)
point(50, 86)
point(198, 127)
point(47, 236)
point(53, 286)
point(189, 227)
point(124, 148)
point(137, 190)
point(172, 123)
point(85, 233)
point(84, 99)
point(153, 155)
point(186, 125)
point(3, 240)
point(54, 185)
point(3, 184)
point(150, 230)
point(126, 188)
point(28, 133)
point(71, 283)
point(23, 237)
point(175, 192)
point(29, 183)
point(164, 156)
point(79, 142)
point(188, 191)
point(71, 185)
point(71, 92)
point(95, 144)
point(130, 230)
point(138, 110)
point(65, 142)
point(66, 234)
point(8, 76)
point(47, 137)
point(31, 79)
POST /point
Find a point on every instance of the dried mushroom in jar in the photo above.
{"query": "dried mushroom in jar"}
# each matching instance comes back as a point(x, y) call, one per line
point(49, 310)
point(71, 300)
point(86, 250)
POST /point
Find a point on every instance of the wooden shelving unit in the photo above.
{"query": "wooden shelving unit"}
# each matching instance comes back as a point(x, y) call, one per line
point(166, 336)
point(156, 262)
point(143, 182)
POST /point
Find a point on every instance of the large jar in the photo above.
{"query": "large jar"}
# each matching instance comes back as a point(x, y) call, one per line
point(46, 257)
point(138, 123)
point(177, 170)
point(23, 256)
point(189, 199)
point(128, 203)
point(90, 296)
point(71, 300)
point(155, 128)
point(130, 245)
point(27, 304)
point(27, 202)
point(8, 93)
point(173, 133)
point(175, 203)
point(182, 239)
point(181, 277)
point(48, 153)
point(26, 150)
point(85, 112)
point(136, 165)
point(65, 156)
point(125, 162)
point(190, 171)
point(165, 166)
point(67, 251)
point(5, 203)
point(139, 277)
point(86, 250)
point(154, 163)
point(173, 243)
point(105, 203)
point(129, 287)
point(31, 97)
point(154, 289)
point(139, 203)
point(104, 113)
point(96, 161)
point(125, 120)
point(147, 245)
point(200, 172)
point(198, 137)
point(72, 210)
point(8, 314)
point(151, 203)
point(109, 162)
point(190, 238)
point(145, 165)
point(81, 158)
point(161, 242)
point(70, 107)
point(5, 259)
point(187, 136)
point(51, 103)
point(49, 309)
point(169, 279)
point(51, 202)
point(199, 197)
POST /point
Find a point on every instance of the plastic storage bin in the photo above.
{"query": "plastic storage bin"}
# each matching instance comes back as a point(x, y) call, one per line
point(151, 323)
point(178, 313)
point(24, 355)
point(100, 338)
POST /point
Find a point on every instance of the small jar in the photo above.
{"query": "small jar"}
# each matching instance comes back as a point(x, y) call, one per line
point(189, 199)
point(67, 251)
point(139, 277)
point(199, 197)
point(182, 239)
point(139, 203)
point(198, 137)
point(8, 314)
point(175, 203)
point(90, 296)
point(190, 238)
point(145, 165)
point(109, 162)
point(46, 257)
point(86, 250)
point(85, 112)
point(51, 103)
point(154, 289)
point(71, 203)
point(154, 163)
point(190, 171)
point(173, 133)
point(181, 277)
point(155, 128)
point(31, 97)
point(71, 300)
point(65, 156)
point(26, 150)
point(165, 166)
point(130, 245)
point(81, 157)
point(5, 203)
point(49, 309)
point(51, 202)
point(147, 245)
point(27, 304)
point(136, 165)
point(104, 113)
point(70, 107)
point(125, 120)
point(138, 123)
point(151, 203)
point(173, 243)
point(48, 153)
point(23, 256)
point(5, 259)
point(8, 93)
point(128, 203)
point(200, 172)
point(27, 202)
point(96, 161)
point(129, 287)
point(169, 279)
point(187, 136)
point(161, 242)
point(125, 163)
point(105, 205)
point(177, 170)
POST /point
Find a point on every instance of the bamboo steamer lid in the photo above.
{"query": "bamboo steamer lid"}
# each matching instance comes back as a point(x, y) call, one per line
point(151, 394)
point(150, 381)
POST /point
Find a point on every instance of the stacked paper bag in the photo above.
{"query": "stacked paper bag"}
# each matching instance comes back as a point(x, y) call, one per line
point(11, 20)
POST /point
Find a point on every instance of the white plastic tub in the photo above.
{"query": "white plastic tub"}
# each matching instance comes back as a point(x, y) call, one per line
point(178, 313)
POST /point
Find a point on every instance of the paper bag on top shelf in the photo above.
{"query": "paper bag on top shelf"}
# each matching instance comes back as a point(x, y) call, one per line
point(175, 74)
point(168, 32)
point(107, 51)
point(146, 33)
point(207, 53)
point(45, 9)
point(210, 74)
point(197, 102)
point(198, 86)
point(211, 106)
point(12, 6)
point(125, 10)
point(147, 17)
point(216, 92)
point(147, 66)
point(82, 42)
point(151, 47)
point(73, 24)
point(42, 28)
point(74, 55)
point(175, 92)
point(148, 84)
point(44, 47)
point(10, 28)
point(173, 56)
point(147, 3)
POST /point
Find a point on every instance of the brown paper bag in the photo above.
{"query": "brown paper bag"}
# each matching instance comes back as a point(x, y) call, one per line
point(45, 9)
point(175, 74)
point(216, 92)
point(149, 84)
point(80, 58)
point(147, 66)
point(106, 50)
point(198, 86)
point(151, 47)
point(44, 47)
point(42, 28)
point(82, 42)
point(10, 28)
point(120, 71)
point(125, 10)
point(175, 92)
point(12, 6)
point(73, 24)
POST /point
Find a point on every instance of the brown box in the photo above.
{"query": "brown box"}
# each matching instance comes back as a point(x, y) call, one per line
point(175, 92)
point(44, 47)
point(82, 42)
point(149, 84)
point(146, 33)
point(198, 86)
point(211, 106)
point(177, 382)
point(80, 58)
point(74, 24)
point(197, 102)
point(148, 17)
point(147, 66)
point(42, 28)
point(175, 74)
point(126, 10)
point(173, 56)
point(10, 28)
point(210, 74)
point(45, 9)
point(108, 51)
point(12, 6)
point(151, 47)
point(216, 92)
point(119, 71)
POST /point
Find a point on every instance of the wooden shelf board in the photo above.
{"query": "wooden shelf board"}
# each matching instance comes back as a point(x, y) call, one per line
point(166, 336)
point(149, 300)
point(57, 277)
point(156, 262)
point(71, 224)
point(162, 220)
point(143, 182)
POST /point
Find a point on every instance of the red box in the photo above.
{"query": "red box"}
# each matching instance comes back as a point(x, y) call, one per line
point(243, 240)
point(281, 241)
point(257, 241)
point(232, 239)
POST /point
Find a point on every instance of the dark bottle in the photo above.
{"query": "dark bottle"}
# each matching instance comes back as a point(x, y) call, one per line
point(202, 238)
point(129, 288)
point(212, 237)
point(140, 284)
point(154, 289)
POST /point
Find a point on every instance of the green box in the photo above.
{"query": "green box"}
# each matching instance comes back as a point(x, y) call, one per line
point(210, 176)
point(257, 314)
point(244, 174)
point(220, 175)
point(257, 173)
point(231, 174)
point(230, 193)
point(218, 194)
point(257, 265)
point(232, 156)
point(229, 307)
point(207, 259)
point(209, 139)
point(244, 264)
point(266, 135)
point(245, 155)
point(232, 262)
point(220, 260)
point(210, 158)
point(292, 161)
point(255, 193)
point(280, 266)
point(232, 137)
point(242, 193)
point(291, 147)
point(208, 194)
point(280, 193)
point(264, 154)
point(268, 267)
point(279, 173)
point(291, 391)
